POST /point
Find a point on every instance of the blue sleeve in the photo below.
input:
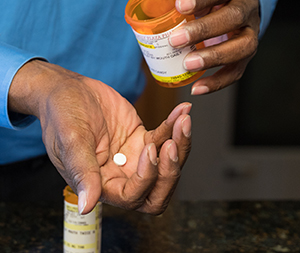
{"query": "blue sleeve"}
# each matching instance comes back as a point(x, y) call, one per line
point(267, 8)
point(11, 60)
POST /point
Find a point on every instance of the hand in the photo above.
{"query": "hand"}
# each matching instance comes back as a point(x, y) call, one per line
point(238, 18)
point(85, 123)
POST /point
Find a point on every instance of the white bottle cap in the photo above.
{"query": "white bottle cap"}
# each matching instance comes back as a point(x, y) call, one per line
point(120, 159)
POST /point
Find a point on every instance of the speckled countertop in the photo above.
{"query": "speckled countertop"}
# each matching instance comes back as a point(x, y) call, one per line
point(185, 227)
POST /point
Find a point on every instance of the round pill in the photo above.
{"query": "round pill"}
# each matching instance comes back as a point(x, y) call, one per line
point(120, 159)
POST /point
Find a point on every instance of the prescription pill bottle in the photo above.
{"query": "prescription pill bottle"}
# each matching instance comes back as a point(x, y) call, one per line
point(82, 233)
point(152, 22)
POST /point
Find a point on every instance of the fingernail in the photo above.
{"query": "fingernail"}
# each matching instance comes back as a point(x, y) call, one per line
point(193, 62)
point(200, 90)
point(152, 154)
point(187, 108)
point(179, 37)
point(186, 5)
point(81, 201)
point(172, 152)
point(187, 126)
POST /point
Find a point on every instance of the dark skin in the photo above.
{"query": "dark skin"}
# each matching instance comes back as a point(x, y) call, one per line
point(238, 18)
point(85, 123)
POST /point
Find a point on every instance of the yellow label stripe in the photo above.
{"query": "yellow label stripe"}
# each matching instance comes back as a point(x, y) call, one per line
point(80, 227)
point(80, 246)
point(172, 79)
point(146, 45)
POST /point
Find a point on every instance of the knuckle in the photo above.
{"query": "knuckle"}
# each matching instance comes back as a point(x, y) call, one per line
point(75, 176)
point(251, 42)
point(173, 176)
point(132, 206)
point(238, 14)
point(156, 209)
point(250, 45)
point(217, 58)
point(176, 174)
point(130, 203)
point(219, 85)
point(197, 28)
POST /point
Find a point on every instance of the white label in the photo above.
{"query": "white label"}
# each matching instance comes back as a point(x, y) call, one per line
point(82, 233)
point(164, 61)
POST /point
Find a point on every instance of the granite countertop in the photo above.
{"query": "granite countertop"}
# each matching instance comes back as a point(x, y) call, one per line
point(185, 227)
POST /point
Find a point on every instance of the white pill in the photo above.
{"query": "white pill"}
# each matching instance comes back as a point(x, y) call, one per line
point(120, 159)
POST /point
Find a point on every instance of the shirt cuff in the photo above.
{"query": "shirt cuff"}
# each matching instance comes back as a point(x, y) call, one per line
point(267, 8)
point(12, 59)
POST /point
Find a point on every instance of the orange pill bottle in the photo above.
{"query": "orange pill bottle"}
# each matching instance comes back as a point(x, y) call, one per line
point(82, 233)
point(152, 22)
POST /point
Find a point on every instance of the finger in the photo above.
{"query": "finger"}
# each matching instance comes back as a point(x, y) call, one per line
point(238, 48)
point(89, 191)
point(193, 6)
point(182, 132)
point(130, 193)
point(168, 177)
point(164, 131)
point(229, 18)
point(221, 79)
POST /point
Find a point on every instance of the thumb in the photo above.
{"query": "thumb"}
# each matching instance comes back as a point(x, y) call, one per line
point(88, 180)
point(89, 192)
point(86, 183)
point(85, 177)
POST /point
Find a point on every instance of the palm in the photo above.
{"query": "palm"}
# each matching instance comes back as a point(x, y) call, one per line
point(116, 180)
point(125, 132)
point(98, 123)
point(127, 135)
point(132, 148)
point(138, 177)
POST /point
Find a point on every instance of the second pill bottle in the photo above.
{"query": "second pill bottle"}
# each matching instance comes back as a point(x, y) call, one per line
point(152, 22)
point(82, 233)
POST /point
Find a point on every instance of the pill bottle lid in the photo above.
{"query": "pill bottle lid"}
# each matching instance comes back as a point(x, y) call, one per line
point(148, 14)
point(70, 196)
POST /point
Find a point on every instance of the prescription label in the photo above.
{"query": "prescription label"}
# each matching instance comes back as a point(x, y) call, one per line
point(82, 233)
point(164, 61)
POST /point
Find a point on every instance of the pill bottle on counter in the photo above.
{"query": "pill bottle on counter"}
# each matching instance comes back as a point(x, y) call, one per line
point(152, 22)
point(82, 233)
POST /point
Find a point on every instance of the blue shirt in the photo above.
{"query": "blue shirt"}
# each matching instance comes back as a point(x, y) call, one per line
point(90, 37)
point(267, 8)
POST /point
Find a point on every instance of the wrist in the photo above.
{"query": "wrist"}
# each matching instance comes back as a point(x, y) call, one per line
point(21, 96)
point(33, 84)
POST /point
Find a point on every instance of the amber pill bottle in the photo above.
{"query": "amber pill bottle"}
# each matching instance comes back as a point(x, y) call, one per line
point(82, 233)
point(152, 22)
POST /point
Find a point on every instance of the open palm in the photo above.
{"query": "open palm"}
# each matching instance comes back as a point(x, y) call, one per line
point(85, 123)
